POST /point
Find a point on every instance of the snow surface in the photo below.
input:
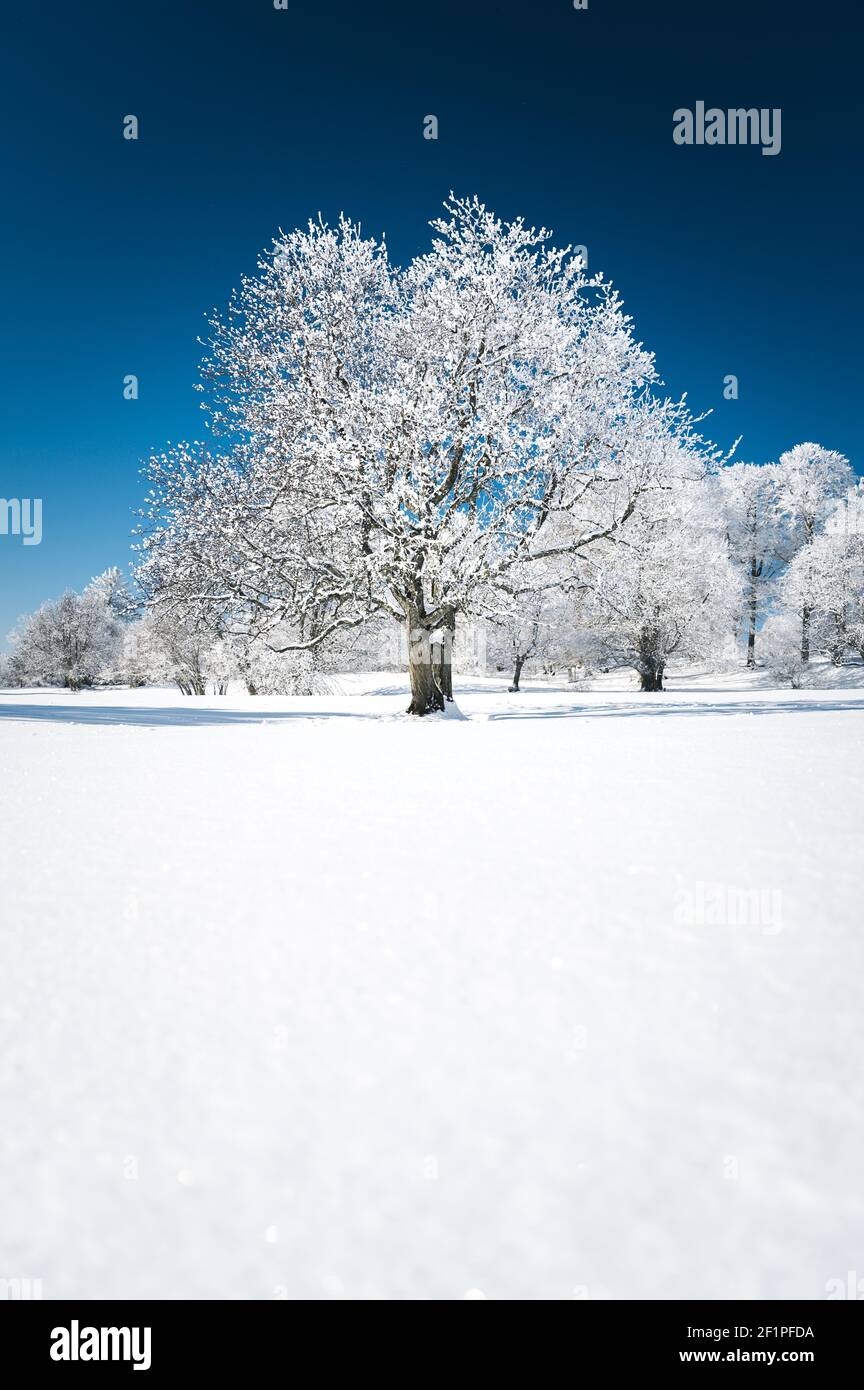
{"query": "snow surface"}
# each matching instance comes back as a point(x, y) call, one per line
point(303, 998)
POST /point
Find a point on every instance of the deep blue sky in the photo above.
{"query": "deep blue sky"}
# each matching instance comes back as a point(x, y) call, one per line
point(252, 118)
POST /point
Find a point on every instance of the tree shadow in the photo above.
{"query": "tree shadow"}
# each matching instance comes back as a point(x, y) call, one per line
point(166, 717)
point(651, 706)
point(192, 716)
point(397, 688)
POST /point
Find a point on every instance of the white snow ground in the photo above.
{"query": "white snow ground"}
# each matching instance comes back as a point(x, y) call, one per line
point(303, 998)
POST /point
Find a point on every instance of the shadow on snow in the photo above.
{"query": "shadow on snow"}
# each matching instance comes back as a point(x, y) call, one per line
point(653, 705)
point(167, 717)
point(189, 717)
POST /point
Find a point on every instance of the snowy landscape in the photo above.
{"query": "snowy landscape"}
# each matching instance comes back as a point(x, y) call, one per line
point(271, 1029)
point(432, 864)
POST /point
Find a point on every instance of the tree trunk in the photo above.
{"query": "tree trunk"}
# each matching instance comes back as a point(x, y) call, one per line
point(651, 660)
point(517, 672)
point(651, 676)
point(426, 694)
point(446, 681)
point(442, 654)
point(438, 665)
point(751, 604)
point(805, 634)
point(841, 641)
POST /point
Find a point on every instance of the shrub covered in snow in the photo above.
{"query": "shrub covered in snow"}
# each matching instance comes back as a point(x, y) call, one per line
point(73, 641)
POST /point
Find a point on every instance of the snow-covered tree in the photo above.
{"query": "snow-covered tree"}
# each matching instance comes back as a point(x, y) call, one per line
point(810, 482)
point(112, 587)
point(666, 588)
point(10, 672)
point(393, 441)
point(749, 494)
point(176, 646)
point(826, 580)
point(534, 619)
point(170, 645)
point(73, 641)
point(525, 634)
point(136, 661)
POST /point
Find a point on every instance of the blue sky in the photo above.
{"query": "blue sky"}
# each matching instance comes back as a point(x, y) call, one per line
point(251, 118)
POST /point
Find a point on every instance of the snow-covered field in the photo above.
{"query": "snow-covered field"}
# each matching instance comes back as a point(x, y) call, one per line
point(300, 997)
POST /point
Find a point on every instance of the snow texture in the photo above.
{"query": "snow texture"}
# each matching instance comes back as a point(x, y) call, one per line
point(304, 998)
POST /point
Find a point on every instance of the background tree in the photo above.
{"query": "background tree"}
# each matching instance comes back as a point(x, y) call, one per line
point(177, 647)
point(749, 495)
point(73, 641)
point(826, 580)
point(667, 588)
point(810, 481)
point(521, 636)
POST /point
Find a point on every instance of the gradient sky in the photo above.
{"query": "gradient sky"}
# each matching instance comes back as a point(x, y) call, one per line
point(252, 118)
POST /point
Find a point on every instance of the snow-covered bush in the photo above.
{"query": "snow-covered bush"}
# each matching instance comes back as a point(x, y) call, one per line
point(73, 641)
point(168, 646)
point(780, 652)
point(10, 674)
point(266, 672)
